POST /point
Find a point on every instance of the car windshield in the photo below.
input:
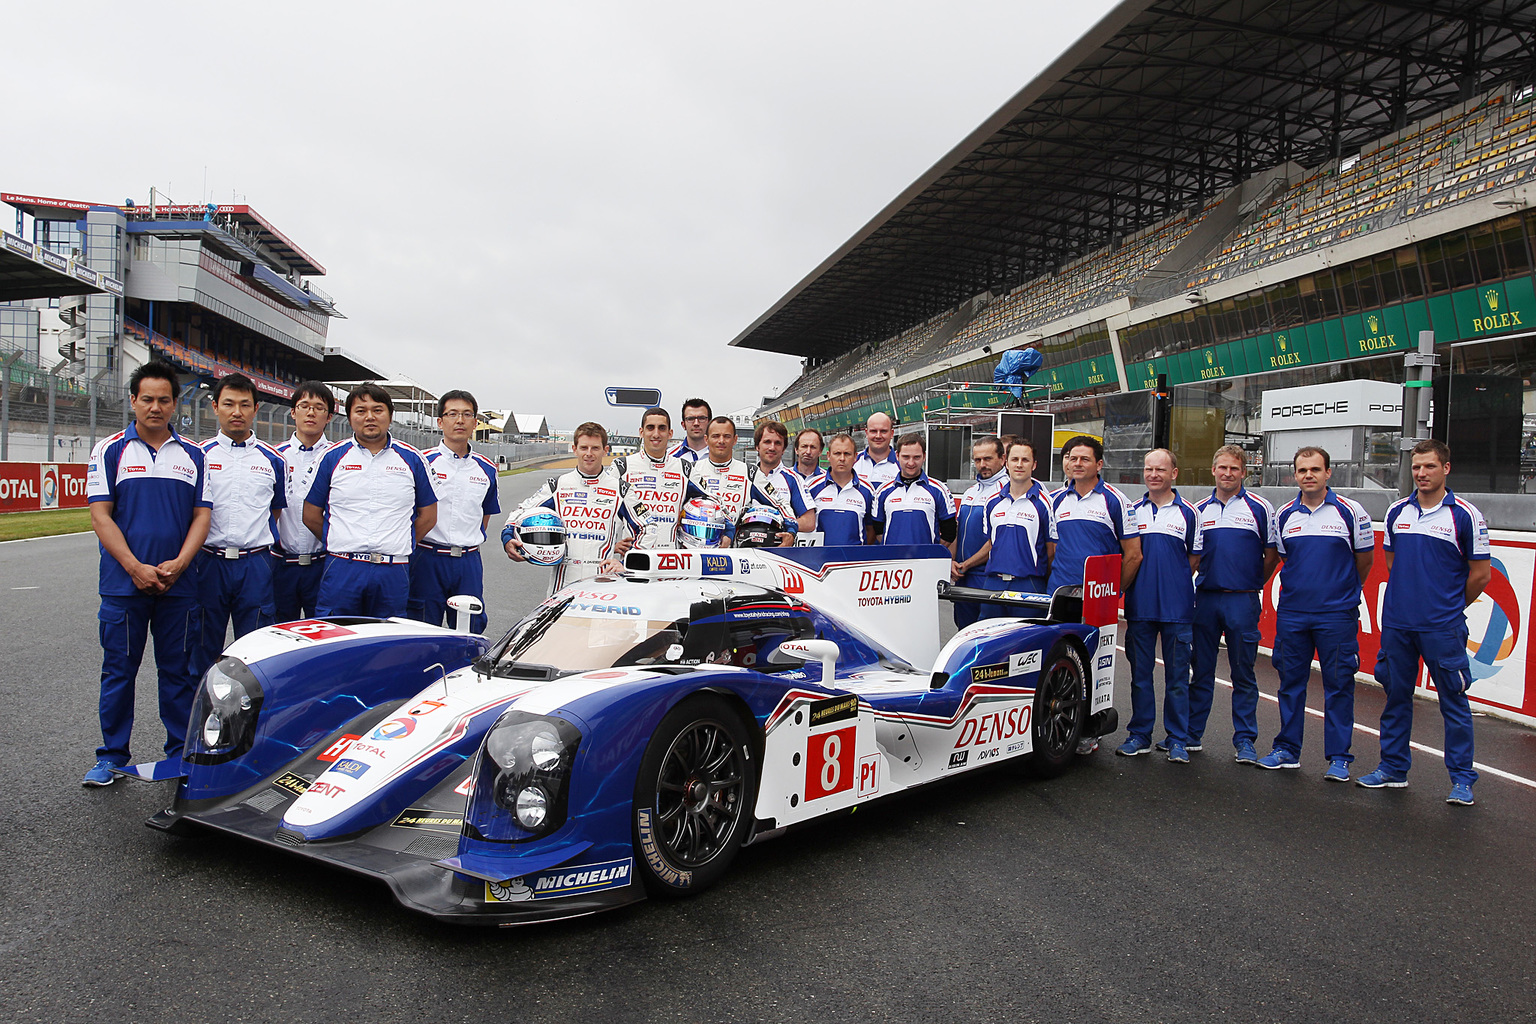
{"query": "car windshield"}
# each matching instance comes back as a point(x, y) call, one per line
point(605, 628)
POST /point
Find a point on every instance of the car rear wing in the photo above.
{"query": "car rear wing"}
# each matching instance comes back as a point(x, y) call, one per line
point(1065, 605)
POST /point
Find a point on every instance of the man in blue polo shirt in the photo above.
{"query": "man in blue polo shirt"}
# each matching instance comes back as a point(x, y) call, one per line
point(246, 484)
point(969, 565)
point(843, 504)
point(447, 560)
point(1327, 545)
point(1236, 547)
point(371, 503)
point(1017, 522)
point(876, 465)
point(913, 509)
point(1159, 603)
point(1089, 517)
point(145, 486)
point(775, 479)
point(1436, 546)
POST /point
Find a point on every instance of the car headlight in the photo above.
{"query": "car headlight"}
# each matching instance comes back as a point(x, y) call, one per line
point(522, 777)
point(224, 713)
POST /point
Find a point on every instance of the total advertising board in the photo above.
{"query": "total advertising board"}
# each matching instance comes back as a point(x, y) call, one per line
point(35, 486)
point(1498, 625)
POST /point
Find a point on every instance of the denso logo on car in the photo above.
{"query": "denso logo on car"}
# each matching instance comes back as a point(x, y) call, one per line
point(885, 579)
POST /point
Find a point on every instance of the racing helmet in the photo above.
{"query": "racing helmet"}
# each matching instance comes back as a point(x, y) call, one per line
point(703, 523)
point(759, 526)
point(542, 534)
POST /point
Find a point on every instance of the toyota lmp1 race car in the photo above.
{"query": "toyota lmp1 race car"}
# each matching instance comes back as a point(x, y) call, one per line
point(634, 731)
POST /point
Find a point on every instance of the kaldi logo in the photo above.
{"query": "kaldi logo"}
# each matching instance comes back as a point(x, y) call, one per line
point(994, 728)
point(674, 560)
point(885, 579)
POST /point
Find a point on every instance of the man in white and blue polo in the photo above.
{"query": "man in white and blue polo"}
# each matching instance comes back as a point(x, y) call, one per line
point(1160, 604)
point(447, 560)
point(969, 564)
point(1017, 520)
point(371, 502)
point(694, 447)
point(1438, 561)
point(246, 486)
point(843, 504)
point(876, 465)
point(1236, 547)
point(145, 486)
point(912, 509)
point(1327, 545)
point(298, 559)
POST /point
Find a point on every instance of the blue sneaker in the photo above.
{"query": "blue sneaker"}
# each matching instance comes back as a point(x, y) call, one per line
point(1177, 752)
point(1382, 777)
point(101, 775)
point(1461, 793)
point(1246, 754)
point(1193, 748)
point(1132, 746)
point(1338, 770)
point(1278, 758)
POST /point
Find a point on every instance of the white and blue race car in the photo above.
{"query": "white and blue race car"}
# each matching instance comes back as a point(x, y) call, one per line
point(633, 732)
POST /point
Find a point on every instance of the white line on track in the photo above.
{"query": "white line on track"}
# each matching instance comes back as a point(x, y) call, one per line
point(47, 536)
point(1522, 780)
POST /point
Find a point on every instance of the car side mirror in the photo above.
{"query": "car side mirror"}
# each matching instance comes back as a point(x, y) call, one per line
point(825, 651)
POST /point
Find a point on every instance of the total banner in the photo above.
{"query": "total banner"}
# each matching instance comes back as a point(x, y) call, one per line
point(1498, 624)
point(35, 486)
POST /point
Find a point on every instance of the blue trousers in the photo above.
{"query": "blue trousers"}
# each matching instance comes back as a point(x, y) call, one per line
point(435, 577)
point(125, 624)
point(232, 589)
point(1235, 616)
point(967, 612)
point(1022, 584)
point(1336, 641)
point(363, 588)
point(1397, 670)
point(295, 588)
point(1141, 638)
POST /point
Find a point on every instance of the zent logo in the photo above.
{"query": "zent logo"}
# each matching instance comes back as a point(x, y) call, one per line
point(674, 560)
point(394, 729)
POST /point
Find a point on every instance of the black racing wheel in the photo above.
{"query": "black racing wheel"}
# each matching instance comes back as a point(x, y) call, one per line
point(1061, 704)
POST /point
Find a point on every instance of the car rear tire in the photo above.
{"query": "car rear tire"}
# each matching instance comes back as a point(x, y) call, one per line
point(1061, 703)
point(693, 798)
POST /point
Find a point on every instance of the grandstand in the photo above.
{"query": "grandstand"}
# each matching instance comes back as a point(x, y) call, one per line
point(1238, 195)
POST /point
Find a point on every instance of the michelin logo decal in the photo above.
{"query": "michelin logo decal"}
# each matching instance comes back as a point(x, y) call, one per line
point(586, 878)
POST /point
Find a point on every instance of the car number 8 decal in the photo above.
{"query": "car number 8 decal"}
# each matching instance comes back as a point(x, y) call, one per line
point(829, 763)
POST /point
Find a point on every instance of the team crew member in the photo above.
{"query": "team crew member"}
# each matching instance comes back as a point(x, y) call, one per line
point(298, 559)
point(729, 480)
point(371, 502)
point(247, 486)
point(695, 444)
point(1438, 563)
point(913, 509)
point(1089, 517)
point(1236, 547)
point(446, 561)
point(1016, 367)
point(969, 564)
point(1327, 545)
point(1160, 603)
point(656, 484)
point(843, 503)
point(876, 465)
point(145, 486)
point(1017, 521)
point(587, 500)
point(770, 440)
point(809, 445)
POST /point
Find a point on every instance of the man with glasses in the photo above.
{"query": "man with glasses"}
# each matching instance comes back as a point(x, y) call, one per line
point(695, 444)
point(446, 561)
point(298, 558)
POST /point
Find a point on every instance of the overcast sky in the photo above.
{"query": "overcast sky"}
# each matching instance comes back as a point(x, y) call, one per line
point(534, 201)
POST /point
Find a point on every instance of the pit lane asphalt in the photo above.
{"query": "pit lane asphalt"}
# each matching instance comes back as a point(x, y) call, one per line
point(1128, 889)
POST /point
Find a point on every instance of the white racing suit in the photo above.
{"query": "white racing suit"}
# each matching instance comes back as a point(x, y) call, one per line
point(653, 497)
point(589, 507)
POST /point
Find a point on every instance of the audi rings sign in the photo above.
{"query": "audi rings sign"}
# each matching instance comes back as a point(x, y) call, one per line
point(35, 486)
point(1498, 628)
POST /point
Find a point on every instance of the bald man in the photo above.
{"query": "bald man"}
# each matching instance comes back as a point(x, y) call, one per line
point(876, 465)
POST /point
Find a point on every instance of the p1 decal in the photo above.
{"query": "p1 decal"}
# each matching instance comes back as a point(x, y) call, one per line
point(829, 763)
point(315, 629)
point(394, 729)
point(869, 776)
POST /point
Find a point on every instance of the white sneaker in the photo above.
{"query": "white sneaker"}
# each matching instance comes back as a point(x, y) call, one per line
point(1088, 744)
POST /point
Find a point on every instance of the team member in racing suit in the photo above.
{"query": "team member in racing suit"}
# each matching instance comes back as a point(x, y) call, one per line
point(730, 481)
point(657, 484)
point(971, 531)
point(770, 439)
point(694, 445)
point(587, 500)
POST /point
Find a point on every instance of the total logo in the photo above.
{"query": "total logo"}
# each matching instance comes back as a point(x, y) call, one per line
point(394, 729)
point(1491, 652)
point(1097, 590)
